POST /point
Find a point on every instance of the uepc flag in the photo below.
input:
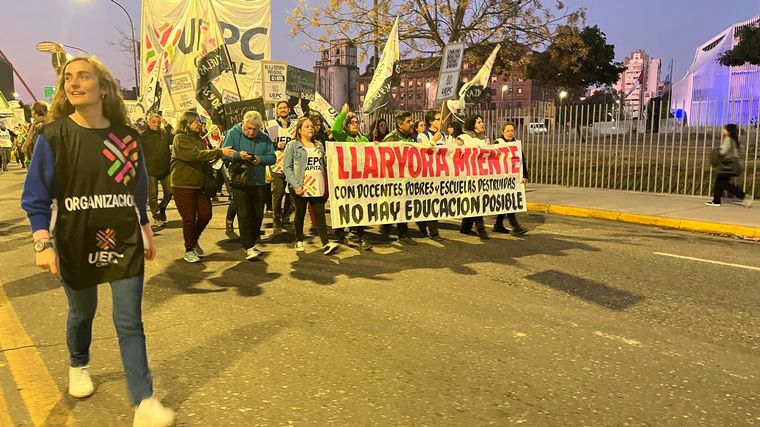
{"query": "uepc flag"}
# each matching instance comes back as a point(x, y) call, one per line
point(379, 90)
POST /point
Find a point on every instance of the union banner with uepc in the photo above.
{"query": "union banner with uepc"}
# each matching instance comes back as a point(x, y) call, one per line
point(387, 183)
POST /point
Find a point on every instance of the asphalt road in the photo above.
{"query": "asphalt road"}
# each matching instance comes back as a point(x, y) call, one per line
point(582, 322)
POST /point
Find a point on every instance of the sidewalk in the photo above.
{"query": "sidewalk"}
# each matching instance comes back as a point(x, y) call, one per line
point(662, 210)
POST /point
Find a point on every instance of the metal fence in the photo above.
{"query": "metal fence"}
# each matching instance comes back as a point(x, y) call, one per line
point(602, 146)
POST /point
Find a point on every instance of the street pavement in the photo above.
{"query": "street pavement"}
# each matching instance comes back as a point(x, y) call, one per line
point(583, 321)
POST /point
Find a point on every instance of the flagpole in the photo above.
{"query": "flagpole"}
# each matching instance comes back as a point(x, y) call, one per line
point(226, 49)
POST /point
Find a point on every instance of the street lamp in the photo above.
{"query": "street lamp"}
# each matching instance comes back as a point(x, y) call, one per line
point(134, 45)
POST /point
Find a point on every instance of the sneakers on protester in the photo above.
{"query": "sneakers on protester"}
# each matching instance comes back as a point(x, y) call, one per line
point(191, 256)
point(519, 231)
point(500, 229)
point(329, 248)
point(437, 238)
point(483, 234)
point(198, 251)
point(151, 413)
point(712, 204)
point(407, 240)
point(300, 246)
point(80, 382)
point(364, 243)
point(252, 253)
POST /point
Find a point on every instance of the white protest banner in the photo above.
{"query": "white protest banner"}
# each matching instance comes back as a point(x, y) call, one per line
point(181, 88)
point(171, 31)
point(274, 75)
point(388, 183)
point(448, 76)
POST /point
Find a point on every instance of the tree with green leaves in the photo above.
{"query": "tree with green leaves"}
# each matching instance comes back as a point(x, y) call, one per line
point(576, 60)
point(425, 27)
point(747, 51)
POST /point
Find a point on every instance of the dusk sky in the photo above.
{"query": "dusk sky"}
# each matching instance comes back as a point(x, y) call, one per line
point(663, 28)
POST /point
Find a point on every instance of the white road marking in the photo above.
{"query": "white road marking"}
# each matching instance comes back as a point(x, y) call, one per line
point(709, 261)
point(618, 338)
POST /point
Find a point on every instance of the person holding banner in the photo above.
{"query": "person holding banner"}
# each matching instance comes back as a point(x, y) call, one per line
point(101, 227)
point(256, 153)
point(189, 152)
point(473, 136)
point(281, 132)
point(305, 170)
point(404, 132)
point(508, 135)
point(431, 136)
point(346, 129)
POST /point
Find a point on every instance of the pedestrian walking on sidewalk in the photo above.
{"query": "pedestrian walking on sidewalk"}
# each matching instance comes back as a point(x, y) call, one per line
point(508, 135)
point(189, 153)
point(90, 162)
point(727, 167)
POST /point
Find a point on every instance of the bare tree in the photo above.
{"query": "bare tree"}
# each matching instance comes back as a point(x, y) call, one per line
point(124, 44)
point(425, 27)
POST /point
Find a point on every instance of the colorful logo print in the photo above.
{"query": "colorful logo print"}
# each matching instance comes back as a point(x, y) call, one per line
point(166, 43)
point(309, 184)
point(123, 155)
point(106, 239)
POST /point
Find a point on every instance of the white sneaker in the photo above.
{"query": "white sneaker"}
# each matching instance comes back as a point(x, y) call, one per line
point(198, 251)
point(252, 253)
point(80, 383)
point(300, 247)
point(711, 204)
point(747, 202)
point(330, 248)
point(191, 256)
point(151, 413)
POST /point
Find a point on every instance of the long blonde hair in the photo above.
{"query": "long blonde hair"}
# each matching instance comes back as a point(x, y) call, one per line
point(113, 103)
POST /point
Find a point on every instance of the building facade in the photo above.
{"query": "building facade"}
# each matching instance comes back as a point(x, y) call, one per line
point(711, 93)
point(337, 73)
point(640, 81)
point(529, 100)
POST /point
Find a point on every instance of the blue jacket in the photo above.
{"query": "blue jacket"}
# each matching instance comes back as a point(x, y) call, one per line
point(295, 162)
point(264, 150)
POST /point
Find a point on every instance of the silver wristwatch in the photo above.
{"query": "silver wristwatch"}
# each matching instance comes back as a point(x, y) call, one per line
point(41, 245)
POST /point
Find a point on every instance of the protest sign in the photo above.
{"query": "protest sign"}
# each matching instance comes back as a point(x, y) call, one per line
point(181, 87)
point(275, 77)
point(448, 77)
point(235, 111)
point(301, 83)
point(390, 183)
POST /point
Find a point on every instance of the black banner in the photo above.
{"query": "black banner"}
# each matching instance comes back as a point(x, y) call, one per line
point(301, 83)
point(213, 64)
point(210, 99)
point(234, 111)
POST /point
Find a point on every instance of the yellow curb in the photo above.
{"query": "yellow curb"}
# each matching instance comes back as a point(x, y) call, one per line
point(5, 414)
point(657, 221)
point(39, 392)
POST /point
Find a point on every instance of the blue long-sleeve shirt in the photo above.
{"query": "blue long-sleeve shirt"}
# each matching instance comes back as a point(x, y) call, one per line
point(39, 187)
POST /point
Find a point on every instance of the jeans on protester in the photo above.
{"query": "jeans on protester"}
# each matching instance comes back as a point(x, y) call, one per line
point(5, 154)
point(250, 212)
point(195, 210)
point(281, 214)
point(723, 183)
point(127, 318)
point(158, 210)
point(318, 207)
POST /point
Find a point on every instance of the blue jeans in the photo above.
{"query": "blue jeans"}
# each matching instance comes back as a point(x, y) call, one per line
point(127, 318)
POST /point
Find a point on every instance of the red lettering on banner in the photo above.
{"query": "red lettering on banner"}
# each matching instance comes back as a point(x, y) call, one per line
point(414, 162)
point(441, 165)
point(354, 166)
point(370, 163)
point(401, 158)
point(504, 156)
point(426, 163)
point(515, 159)
point(494, 167)
point(342, 173)
point(386, 162)
point(482, 160)
point(460, 158)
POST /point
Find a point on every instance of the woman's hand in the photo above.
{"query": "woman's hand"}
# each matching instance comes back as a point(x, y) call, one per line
point(149, 247)
point(244, 155)
point(524, 181)
point(229, 152)
point(300, 191)
point(459, 142)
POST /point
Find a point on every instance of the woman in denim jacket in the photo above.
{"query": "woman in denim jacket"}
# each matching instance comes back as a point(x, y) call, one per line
point(304, 168)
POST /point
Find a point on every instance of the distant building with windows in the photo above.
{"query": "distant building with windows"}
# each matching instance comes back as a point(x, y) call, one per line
point(639, 82)
point(711, 93)
point(337, 73)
